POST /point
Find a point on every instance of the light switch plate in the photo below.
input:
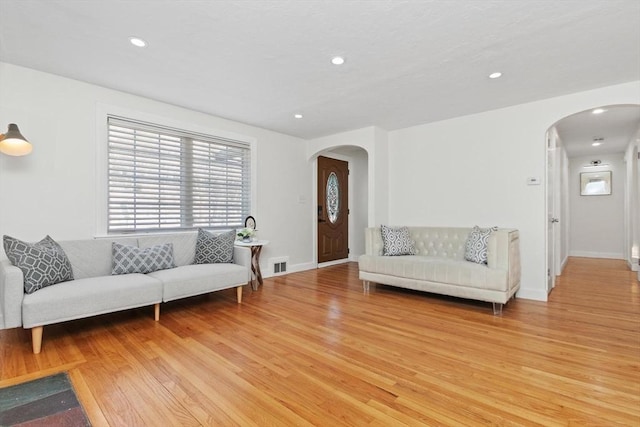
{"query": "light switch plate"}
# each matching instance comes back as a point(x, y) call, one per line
point(533, 180)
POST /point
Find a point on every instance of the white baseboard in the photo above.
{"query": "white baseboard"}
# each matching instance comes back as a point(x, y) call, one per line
point(563, 264)
point(633, 264)
point(303, 267)
point(533, 294)
point(607, 255)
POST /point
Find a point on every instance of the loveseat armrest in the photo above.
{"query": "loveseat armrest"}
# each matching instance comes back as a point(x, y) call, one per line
point(11, 294)
point(503, 253)
point(373, 241)
point(242, 256)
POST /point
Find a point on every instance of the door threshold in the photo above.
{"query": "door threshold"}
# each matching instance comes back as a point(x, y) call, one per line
point(330, 263)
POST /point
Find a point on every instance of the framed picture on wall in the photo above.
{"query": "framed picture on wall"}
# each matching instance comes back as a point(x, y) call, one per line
point(595, 183)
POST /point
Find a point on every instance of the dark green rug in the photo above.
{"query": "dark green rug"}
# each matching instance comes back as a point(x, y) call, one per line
point(48, 401)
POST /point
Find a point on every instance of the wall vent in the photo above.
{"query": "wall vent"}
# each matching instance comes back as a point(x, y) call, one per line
point(280, 267)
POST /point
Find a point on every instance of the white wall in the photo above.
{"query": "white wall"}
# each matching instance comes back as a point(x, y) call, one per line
point(53, 190)
point(360, 197)
point(565, 210)
point(473, 170)
point(632, 203)
point(597, 222)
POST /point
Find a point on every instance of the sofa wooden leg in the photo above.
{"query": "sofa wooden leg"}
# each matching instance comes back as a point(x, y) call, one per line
point(497, 309)
point(36, 339)
point(156, 312)
point(239, 294)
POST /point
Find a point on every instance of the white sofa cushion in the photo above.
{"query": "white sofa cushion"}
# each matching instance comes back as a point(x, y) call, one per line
point(89, 297)
point(92, 257)
point(437, 269)
point(196, 279)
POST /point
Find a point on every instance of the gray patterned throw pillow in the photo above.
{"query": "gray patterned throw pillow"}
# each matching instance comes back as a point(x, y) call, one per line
point(397, 241)
point(132, 259)
point(475, 249)
point(214, 248)
point(43, 263)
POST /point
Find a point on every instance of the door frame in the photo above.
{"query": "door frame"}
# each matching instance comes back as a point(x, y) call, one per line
point(336, 156)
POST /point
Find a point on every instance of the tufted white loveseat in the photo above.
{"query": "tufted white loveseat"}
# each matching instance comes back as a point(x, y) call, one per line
point(440, 267)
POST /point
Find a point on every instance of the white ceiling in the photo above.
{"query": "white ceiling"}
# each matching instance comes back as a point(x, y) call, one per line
point(261, 61)
point(617, 126)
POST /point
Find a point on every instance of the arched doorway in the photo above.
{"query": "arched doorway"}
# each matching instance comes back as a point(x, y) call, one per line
point(590, 145)
point(357, 159)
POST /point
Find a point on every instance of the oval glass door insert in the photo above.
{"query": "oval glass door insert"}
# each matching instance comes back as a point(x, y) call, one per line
point(333, 198)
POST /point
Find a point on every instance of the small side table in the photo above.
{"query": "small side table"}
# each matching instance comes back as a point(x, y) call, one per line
point(256, 248)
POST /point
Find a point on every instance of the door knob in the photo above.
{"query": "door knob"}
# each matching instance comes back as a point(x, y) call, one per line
point(554, 220)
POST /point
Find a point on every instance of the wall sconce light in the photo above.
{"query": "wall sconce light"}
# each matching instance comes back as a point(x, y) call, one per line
point(13, 143)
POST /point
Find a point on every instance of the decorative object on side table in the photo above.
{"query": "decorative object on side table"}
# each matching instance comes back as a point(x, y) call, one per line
point(245, 234)
point(256, 248)
point(250, 222)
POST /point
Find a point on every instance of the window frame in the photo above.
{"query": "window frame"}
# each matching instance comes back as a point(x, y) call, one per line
point(102, 158)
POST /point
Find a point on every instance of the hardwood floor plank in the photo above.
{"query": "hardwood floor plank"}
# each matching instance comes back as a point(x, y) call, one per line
point(311, 348)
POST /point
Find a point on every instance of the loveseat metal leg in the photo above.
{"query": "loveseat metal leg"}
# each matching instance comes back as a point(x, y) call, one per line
point(156, 311)
point(239, 294)
point(497, 309)
point(36, 339)
point(365, 285)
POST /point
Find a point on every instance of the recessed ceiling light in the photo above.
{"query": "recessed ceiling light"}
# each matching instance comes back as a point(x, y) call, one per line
point(297, 116)
point(598, 111)
point(495, 75)
point(337, 60)
point(596, 144)
point(136, 41)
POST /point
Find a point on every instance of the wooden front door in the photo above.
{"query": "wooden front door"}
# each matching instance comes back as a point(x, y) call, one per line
point(333, 209)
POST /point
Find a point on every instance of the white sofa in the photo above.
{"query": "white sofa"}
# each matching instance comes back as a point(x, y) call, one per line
point(439, 265)
point(95, 291)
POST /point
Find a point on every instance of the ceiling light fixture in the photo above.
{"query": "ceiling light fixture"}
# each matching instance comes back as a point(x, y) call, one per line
point(297, 116)
point(597, 144)
point(138, 42)
point(337, 60)
point(598, 111)
point(495, 75)
point(596, 165)
point(597, 141)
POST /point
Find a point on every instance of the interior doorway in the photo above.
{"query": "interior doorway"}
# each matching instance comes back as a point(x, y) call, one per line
point(604, 139)
point(333, 209)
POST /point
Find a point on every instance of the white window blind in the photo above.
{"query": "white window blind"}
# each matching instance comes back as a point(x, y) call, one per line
point(163, 179)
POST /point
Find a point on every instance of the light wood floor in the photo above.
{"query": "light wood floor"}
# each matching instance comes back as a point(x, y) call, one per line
point(311, 348)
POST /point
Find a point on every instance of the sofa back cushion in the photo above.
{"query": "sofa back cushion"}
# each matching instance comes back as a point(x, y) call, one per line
point(184, 245)
point(445, 242)
point(92, 257)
